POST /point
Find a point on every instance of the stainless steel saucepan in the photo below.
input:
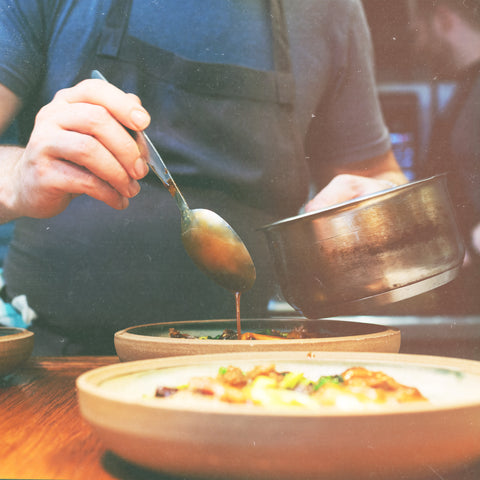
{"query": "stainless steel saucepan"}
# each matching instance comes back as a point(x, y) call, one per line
point(371, 251)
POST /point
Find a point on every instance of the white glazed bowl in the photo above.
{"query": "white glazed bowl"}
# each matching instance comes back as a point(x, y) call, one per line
point(246, 441)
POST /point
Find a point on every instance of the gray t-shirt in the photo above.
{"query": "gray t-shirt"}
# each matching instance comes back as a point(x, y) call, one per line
point(91, 266)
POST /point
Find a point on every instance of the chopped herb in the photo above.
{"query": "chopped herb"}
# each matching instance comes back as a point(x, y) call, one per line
point(291, 380)
point(335, 379)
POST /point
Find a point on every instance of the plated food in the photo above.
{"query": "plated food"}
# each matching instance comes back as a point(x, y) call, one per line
point(241, 440)
point(200, 337)
point(300, 331)
point(356, 388)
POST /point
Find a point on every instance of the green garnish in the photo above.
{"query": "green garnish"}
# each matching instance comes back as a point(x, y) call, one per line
point(291, 380)
point(335, 379)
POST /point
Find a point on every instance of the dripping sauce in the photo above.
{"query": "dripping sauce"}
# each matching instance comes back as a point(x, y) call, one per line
point(237, 308)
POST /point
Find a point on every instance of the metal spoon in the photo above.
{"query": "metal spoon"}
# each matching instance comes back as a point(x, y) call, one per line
point(209, 240)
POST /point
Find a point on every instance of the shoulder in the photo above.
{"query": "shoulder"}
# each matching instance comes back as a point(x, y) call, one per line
point(36, 20)
point(328, 13)
point(320, 25)
point(28, 13)
point(32, 13)
point(32, 30)
point(327, 31)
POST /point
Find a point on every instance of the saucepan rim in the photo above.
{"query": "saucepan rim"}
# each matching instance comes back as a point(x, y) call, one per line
point(350, 204)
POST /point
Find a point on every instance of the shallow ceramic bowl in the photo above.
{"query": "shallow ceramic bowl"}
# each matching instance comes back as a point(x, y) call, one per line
point(153, 341)
point(212, 440)
point(16, 346)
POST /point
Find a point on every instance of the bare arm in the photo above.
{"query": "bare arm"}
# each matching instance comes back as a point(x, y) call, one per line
point(10, 105)
point(78, 146)
point(356, 179)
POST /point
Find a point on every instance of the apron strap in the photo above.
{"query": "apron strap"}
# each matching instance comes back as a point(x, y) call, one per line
point(281, 47)
point(115, 28)
point(278, 84)
point(284, 83)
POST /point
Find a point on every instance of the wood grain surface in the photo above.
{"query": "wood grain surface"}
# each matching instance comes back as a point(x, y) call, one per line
point(43, 436)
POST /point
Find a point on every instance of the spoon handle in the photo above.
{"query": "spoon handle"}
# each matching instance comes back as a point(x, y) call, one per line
point(153, 158)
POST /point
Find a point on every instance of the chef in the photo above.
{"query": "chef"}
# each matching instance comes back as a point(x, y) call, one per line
point(250, 103)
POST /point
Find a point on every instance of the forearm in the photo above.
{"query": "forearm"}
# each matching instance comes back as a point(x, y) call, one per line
point(9, 205)
point(9, 157)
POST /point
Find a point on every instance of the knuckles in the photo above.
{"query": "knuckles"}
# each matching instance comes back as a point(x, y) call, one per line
point(95, 117)
point(84, 147)
point(82, 89)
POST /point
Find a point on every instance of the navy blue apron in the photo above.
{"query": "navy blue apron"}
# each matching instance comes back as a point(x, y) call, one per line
point(222, 127)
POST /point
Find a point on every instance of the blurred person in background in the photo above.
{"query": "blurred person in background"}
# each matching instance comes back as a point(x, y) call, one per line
point(446, 36)
point(230, 92)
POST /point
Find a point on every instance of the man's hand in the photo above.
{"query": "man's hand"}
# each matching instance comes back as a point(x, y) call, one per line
point(79, 146)
point(359, 179)
point(346, 187)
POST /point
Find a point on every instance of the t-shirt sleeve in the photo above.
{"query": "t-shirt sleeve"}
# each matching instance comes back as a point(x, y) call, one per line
point(22, 44)
point(348, 124)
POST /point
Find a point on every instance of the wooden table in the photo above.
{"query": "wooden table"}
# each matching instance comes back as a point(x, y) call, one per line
point(43, 436)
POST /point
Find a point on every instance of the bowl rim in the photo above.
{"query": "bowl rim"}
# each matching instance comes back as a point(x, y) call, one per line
point(18, 334)
point(125, 334)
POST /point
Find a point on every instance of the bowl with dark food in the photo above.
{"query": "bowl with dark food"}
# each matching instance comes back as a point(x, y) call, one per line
point(351, 258)
point(16, 346)
point(284, 415)
point(280, 334)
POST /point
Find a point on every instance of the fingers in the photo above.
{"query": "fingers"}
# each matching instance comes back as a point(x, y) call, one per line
point(84, 125)
point(96, 122)
point(69, 178)
point(87, 136)
point(84, 151)
point(126, 108)
point(99, 109)
point(48, 185)
point(79, 145)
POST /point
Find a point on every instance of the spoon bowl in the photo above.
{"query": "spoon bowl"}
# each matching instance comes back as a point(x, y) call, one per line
point(217, 250)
